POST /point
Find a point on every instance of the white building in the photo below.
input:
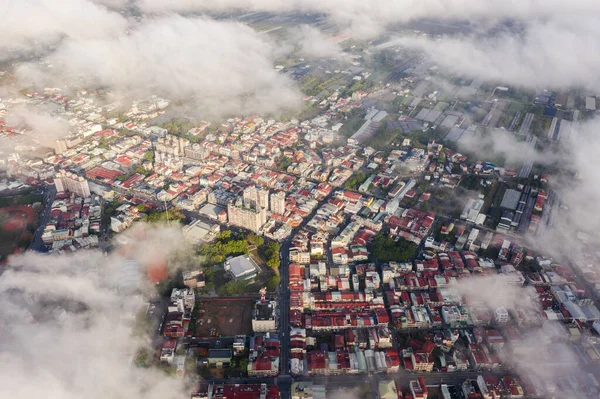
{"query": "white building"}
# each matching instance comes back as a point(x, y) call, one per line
point(278, 203)
point(501, 315)
point(264, 316)
point(65, 181)
point(241, 267)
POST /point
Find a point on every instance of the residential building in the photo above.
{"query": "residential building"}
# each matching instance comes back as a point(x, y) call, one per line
point(278, 202)
point(264, 316)
point(219, 357)
point(307, 390)
point(65, 181)
point(249, 218)
point(194, 279)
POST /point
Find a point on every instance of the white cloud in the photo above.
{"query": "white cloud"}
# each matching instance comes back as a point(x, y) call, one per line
point(216, 68)
point(312, 43)
point(555, 53)
point(27, 25)
point(67, 330)
point(367, 18)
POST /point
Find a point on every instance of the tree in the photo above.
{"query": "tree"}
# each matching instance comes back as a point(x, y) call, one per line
point(355, 180)
point(386, 249)
point(235, 287)
point(142, 358)
point(273, 282)
point(149, 156)
point(141, 208)
point(254, 239)
point(283, 162)
point(270, 252)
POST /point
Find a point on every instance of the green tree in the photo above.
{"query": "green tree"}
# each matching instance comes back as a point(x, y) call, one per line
point(149, 156)
point(385, 249)
point(142, 358)
point(355, 180)
point(283, 162)
point(270, 251)
point(235, 287)
point(254, 239)
point(272, 283)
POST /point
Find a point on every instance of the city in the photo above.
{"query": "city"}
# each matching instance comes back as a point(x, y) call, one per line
point(390, 228)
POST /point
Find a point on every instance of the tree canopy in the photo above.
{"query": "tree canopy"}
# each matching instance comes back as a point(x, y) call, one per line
point(270, 252)
point(386, 249)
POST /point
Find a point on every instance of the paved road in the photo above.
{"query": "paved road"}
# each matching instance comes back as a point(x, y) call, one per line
point(284, 308)
point(49, 195)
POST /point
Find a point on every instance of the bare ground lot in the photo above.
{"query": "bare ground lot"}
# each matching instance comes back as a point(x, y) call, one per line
point(227, 317)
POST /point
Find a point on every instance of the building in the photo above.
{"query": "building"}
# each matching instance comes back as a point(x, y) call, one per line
point(307, 390)
point(219, 357)
point(239, 343)
point(264, 316)
point(241, 267)
point(194, 279)
point(418, 388)
point(235, 391)
point(249, 218)
point(200, 232)
point(388, 390)
point(301, 257)
point(65, 181)
point(250, 197)
point(501, 316)
point(256, 197)
point(278, 203)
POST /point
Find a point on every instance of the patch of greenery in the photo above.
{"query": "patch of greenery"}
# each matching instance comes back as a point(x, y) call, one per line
point(225, 245)
point(282, 163)
point(355, 180)
point(234, 287)
point(270, 252)
point(272, 283)
point(386, 249)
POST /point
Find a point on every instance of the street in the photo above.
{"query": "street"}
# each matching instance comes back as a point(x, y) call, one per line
point(37, 244)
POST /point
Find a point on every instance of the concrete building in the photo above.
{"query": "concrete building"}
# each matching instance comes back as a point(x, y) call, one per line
point(241, 267)
point(278, 203)
point(307, 390)
point(388, 390)
point(219, 357)
point(250, 197)
point(501, 316)
point(65, 181)
point(247, 217)
point(200, 232)
point(194, 279)
point(263, 316)
point(256, 197)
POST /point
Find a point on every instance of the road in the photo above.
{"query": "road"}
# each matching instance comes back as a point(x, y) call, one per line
point(37, 243)
point(351, 381)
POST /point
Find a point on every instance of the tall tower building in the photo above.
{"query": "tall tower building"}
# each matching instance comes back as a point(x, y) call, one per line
point(251, 197)
point(251, 218)
point(278, 202)
point(263, 198)
point(65, 181)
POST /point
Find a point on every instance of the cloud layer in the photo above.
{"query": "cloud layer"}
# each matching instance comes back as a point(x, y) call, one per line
point(217, 68)
point(66, 329)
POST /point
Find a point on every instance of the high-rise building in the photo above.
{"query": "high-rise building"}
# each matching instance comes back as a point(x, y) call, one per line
point(278, 202)
point(262, 197)
point(250, 197)
point(251, 218)
point(256, 197)
point(501, 315)
point(65, 181)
